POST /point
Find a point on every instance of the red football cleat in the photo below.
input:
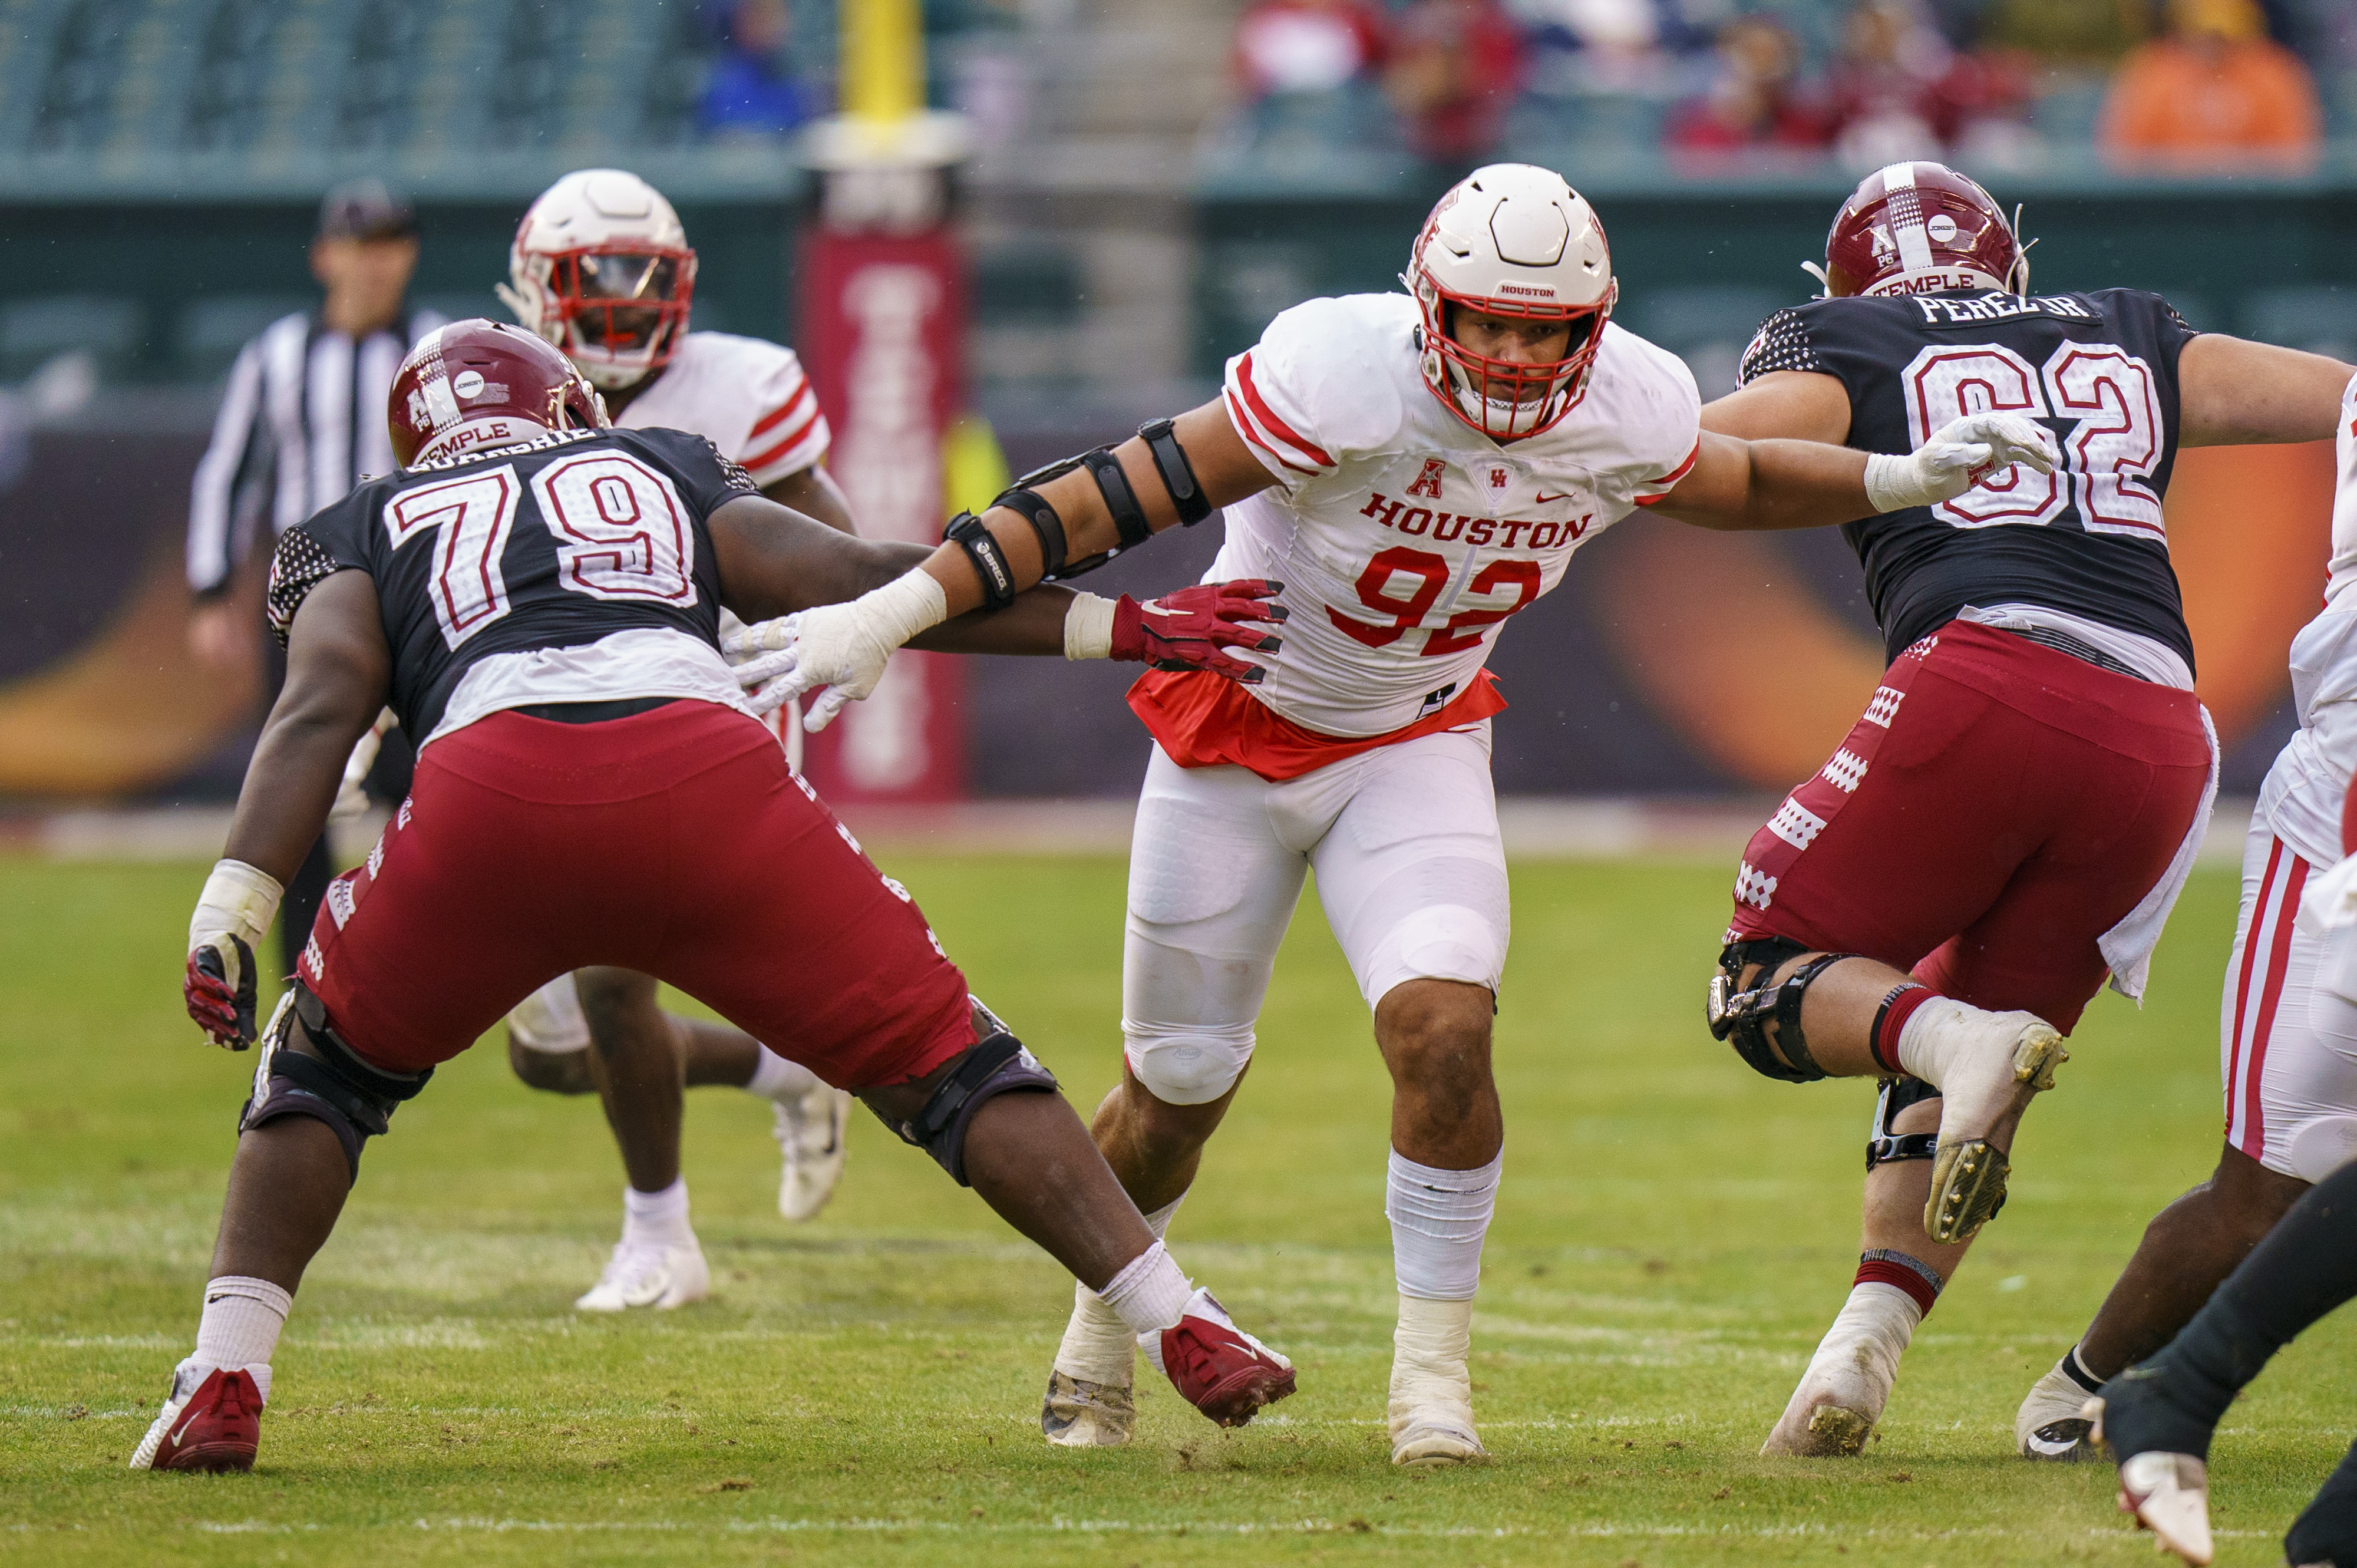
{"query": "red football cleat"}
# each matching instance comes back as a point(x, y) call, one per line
point(214, 1426)
point(1218, 1367)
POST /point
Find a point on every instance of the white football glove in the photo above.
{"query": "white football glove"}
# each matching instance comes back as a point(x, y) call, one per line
point(842, 648)
point(1960, 454)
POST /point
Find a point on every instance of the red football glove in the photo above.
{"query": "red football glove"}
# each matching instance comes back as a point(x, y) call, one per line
point(222, 1004)
point(1194, 627)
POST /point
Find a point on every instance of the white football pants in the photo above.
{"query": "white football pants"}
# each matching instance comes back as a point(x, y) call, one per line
point(2288, 1042)
point(1410, 870)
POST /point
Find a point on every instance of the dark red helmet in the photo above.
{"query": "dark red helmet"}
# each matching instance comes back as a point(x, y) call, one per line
point(1919, 229)
point(480, 384)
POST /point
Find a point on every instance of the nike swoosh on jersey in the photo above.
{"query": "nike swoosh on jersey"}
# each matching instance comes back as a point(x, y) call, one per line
point(1545, 498)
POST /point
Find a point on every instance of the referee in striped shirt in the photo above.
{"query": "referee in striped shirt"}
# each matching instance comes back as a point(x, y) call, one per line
point(301, 422)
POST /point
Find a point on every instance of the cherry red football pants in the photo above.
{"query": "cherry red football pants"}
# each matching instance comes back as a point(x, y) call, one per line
point(674, 842)
point(1996, 810)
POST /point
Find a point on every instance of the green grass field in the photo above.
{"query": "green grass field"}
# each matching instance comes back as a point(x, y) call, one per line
point(1673, 1234)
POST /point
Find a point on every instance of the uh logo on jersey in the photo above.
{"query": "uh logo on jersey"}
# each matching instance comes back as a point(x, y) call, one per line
point(1493, 481)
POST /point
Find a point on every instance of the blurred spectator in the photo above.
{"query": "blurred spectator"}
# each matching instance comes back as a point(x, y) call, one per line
point(1605, 46)
point(1456, 66)
point(1899, 91)
point(2216, 86)
point(1756, 100)
point(1308, 45)
point(752, 91)
point(2067, 33)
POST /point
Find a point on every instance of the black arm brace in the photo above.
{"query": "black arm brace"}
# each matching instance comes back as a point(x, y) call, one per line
point(1170, 462)
point(965, 531)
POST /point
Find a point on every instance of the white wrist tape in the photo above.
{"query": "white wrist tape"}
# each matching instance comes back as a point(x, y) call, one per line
point(1894, 484)
point(1087, 628)
point(903, 607)
point(238, 900)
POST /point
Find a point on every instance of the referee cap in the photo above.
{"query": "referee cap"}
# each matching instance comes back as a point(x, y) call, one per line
point(365, 210)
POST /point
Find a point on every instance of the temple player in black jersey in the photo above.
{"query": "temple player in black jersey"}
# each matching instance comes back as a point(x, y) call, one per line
point(536, 595)
point(2013, 816)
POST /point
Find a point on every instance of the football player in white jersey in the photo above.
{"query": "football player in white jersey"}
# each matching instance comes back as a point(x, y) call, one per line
point(601, 267)
point(1413, 469)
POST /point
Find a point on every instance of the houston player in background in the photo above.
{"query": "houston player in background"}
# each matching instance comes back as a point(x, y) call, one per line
point(2014, 815)
point(1414, 469)
point(537, 597)
point(601, 268)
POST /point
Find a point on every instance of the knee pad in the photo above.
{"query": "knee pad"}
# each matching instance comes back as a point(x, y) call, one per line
point(1188, 1066)
point(2321, 1146)
point(1741, 1017)
point(550, 1020)
point(1438, 942)
point(999, 1065)
point(355, 1099)
point(1884, 1146)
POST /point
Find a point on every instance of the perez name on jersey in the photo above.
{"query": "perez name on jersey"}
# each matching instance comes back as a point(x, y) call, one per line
point(2089, 540)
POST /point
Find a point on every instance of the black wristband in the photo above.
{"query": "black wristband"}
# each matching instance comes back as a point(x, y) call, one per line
point(1044, 522)
point(990, 563)
point(1128, 517)
point(1178, 473)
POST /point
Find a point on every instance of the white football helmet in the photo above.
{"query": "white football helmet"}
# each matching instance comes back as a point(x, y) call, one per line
point(1511, 240)
point(601, 268)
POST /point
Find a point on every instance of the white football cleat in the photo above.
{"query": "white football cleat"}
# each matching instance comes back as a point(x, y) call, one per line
point(2004, 1061)
point(1430, 1410)
point(1078, 1413)
point(1090, 1404)
point(648, 1274)
point(2051, 1423)
point(2170, 1495)
point(808, 1129)
point(1841, 1397)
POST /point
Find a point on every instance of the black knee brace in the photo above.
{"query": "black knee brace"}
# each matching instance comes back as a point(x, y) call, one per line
point(355, 1099)
point(1884, 1146)
point(1742, 1016)
point(996, 1065)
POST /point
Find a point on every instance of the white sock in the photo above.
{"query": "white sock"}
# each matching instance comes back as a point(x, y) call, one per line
point(1149, 1294)
point(1438, 1219)
point(240, 1327)
point(775, 1077)
point(1098, 1347)
point(657, 1219)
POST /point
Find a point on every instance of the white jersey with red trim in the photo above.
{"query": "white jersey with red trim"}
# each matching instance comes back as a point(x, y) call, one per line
point(2302, 798)
point(746, 397)
point(1403, 536)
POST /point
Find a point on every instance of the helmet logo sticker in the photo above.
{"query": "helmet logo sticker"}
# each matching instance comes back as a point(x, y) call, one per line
point(1942, 230)
point(467, 384)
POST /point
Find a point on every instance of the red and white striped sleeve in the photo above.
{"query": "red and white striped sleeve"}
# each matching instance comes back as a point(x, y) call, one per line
point(791, 432)
point(1648, 491)
point(1272, 415)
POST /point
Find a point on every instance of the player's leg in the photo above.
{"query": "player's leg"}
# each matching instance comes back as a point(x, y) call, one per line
point(548, 1048)
point(1212, 885)
point(1413, 878)
point(872, 1001)
point(352, 1039)
point(634, 1062)
point(2158, 1416)
point(2287, 1060)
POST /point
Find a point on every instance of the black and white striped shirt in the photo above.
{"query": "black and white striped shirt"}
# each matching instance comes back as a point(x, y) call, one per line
point(303, 419)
